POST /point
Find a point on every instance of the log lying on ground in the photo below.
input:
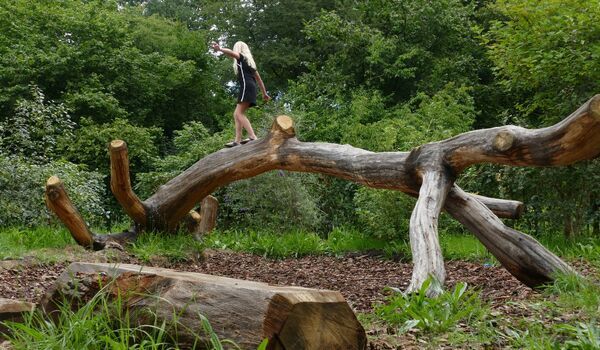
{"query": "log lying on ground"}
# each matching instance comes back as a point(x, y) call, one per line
point(13, 311)
point(243, 311)
point(574, 139)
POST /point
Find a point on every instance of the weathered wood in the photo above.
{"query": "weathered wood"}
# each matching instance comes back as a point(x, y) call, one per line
point(574, 139)
point(208, 216)
point(201, 223)
point(13, 311)
point(243, 311)
point(120, 183)
point(523, 256)
point(59, 202)
point(502, 208)
point(426, 252)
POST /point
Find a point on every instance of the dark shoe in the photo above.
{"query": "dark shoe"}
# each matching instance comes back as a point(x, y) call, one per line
point(244, 141)
point(231, 144)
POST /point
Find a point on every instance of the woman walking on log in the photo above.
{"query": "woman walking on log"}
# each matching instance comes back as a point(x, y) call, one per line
point(247, 76)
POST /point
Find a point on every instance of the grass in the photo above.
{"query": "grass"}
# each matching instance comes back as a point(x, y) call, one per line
point(566, 315)
point(16, 243)
point(176, 247)
point(300, 243)
point(104, 322)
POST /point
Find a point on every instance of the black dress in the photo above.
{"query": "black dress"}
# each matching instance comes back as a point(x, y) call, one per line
point(247, 81)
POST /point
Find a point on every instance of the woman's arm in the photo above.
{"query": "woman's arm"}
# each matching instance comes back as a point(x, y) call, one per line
point(226, 51)
point(266, 96)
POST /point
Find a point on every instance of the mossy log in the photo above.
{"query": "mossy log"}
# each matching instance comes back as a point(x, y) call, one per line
point(427, 172)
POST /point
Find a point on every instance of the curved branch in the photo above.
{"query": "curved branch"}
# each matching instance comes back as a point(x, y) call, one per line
point(120, 183)
point(523, 256)
point(281, 150)
point(59, 202)
point(426, 252)
point(573, 139)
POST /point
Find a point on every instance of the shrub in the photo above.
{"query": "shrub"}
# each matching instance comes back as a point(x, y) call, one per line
point(37, 129)
point(277, 199)
point(22, 186)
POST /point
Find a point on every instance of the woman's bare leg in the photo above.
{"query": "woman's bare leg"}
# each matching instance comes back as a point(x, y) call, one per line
point(242, 121)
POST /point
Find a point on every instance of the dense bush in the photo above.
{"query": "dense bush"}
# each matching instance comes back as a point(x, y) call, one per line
point(277, 200)
point(22, 191)
point(37, 130)
point(89, 145)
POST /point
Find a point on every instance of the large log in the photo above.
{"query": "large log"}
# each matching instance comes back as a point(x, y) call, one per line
point(574, 139)
point(243, 311)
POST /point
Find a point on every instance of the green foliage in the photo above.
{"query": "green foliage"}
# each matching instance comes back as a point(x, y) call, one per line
point(301, 243)
point(252, 203)
point(90, 145)
point(464, 247)
point(175, 248)
point(191, 143)
point(105, 63)
point(100, 323)
point(22, 191)
point(384, 213)
point(432, 315)
point(37, 129)
point(576, 293)
point(17, 242)
point(549, 50)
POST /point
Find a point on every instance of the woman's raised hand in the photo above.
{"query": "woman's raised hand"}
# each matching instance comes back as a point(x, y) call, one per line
point(215, 46)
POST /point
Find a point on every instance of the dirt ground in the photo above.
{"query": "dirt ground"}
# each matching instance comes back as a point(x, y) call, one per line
point(360, 278)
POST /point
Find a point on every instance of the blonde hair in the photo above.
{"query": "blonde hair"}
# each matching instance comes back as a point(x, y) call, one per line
point(242, 48)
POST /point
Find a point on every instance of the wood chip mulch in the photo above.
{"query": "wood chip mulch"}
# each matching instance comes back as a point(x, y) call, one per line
point(360, 278)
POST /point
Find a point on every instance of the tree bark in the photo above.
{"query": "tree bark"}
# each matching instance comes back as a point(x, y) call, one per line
point(426, 252)
point(120, 183)
point(574, 139)
point(523, 256)
point(59, 202)
point(243, 311)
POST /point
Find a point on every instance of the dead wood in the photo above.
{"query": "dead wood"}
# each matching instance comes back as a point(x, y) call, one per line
point(427, 172)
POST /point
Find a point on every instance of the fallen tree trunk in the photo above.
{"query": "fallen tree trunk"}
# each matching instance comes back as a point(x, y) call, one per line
point(427, 172)
point(243, 311)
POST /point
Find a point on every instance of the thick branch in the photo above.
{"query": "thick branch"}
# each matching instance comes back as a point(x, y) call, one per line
point(502, 208)
point(121, 185)
point(574, 139)
point(523, 256)
point(427, 254)
point(281, 150)
point(59, 202)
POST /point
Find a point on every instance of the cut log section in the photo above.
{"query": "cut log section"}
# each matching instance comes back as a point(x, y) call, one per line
point(243, 311)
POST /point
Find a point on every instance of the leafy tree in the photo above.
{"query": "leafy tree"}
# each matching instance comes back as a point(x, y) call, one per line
point(547, 50)
point(546, 58)
point(105, 63)
point(37, 129)
point(90, 145)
